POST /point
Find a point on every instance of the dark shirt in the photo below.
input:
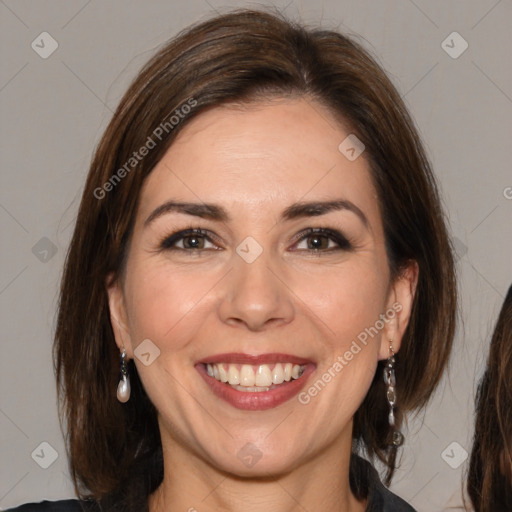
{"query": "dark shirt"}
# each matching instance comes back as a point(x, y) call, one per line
point(380, 498)
point(51, 506)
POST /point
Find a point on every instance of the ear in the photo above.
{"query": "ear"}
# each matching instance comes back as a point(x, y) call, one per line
point(118, 315)
point(399, 306)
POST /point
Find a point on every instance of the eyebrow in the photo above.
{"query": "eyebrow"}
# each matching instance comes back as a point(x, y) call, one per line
point(202, 210)
point(295, 211)
point(317, 208)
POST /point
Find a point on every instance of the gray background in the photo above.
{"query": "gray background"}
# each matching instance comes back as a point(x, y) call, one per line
point(54, 110)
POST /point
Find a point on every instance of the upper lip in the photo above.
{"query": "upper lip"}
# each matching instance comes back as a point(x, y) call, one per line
point(241, 358)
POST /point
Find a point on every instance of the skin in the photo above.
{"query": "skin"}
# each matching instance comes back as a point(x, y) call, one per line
point(255, 161)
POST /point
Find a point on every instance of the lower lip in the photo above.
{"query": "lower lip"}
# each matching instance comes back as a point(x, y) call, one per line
point(257, 400)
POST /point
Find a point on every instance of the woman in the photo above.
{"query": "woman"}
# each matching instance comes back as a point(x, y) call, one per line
point(261, 249)
point(490, 470)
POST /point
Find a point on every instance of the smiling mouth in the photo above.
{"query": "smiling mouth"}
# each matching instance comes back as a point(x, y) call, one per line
point(254, 378)
point(255, 382)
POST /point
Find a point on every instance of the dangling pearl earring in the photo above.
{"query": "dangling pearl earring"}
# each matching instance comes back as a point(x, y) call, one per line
point(390, 381)
point(123, 388)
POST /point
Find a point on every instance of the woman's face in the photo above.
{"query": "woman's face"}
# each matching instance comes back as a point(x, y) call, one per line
point(258, 256)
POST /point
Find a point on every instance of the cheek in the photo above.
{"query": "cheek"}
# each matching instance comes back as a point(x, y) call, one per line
point(346, 305)
point(162, 302)
point(347, 300)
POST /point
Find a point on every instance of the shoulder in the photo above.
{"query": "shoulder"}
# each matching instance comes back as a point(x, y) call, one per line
point(386, 501)
point(380, 498)
point(57, 506)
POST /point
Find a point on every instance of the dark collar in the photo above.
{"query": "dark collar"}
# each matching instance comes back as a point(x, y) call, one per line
point(365, 483)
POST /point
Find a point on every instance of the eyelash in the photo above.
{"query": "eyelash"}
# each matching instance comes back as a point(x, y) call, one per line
point(168, 242)
point(333, 235)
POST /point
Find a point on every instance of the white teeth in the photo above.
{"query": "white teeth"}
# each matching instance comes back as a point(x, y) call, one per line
point(255, 378)
point(247, 377)
point(278, 374)
point(263, 376)
point(222, 373)
point(251, 389)
point(233, 375)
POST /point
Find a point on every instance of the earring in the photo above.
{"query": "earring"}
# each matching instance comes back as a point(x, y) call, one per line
point(123, 388)
point(390, 381)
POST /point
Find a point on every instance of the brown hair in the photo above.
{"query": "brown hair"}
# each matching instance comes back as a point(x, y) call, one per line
point(242, 56)
point(490, 468)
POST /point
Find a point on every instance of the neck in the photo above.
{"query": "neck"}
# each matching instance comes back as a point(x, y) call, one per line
point(319, 483)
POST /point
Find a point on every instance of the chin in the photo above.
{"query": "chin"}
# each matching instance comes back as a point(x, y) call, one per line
point(263, 468)
point(250, 461)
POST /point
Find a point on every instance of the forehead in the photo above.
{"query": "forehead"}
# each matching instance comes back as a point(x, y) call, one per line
point(262, 154)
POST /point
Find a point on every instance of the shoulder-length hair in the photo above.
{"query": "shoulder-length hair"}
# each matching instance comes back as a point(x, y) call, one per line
point(240, 57)
point(490, 468)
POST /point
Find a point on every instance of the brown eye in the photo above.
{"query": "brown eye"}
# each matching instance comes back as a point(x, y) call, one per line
point(193, 242)
point(321, 240)
point(317, 242)
point(189, 240)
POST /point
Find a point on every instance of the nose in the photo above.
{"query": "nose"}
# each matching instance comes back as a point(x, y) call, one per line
point(256, 296)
